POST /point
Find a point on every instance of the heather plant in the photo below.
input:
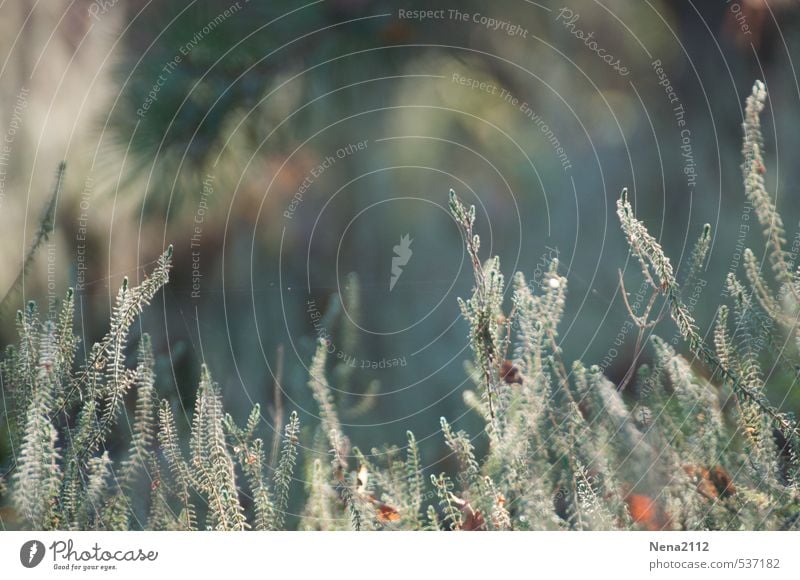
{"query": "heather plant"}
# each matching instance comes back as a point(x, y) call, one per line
point(61, 415)
point(688, 441)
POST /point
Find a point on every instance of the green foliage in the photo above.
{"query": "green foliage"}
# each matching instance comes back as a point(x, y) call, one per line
point(485, 306)
point(451, 512)
point(283, 475)
point(688, 442)
point(212, 464)
point(62, 415)
point(694, 448)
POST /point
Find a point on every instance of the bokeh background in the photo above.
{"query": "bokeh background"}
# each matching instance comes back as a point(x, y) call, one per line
point(285, 148)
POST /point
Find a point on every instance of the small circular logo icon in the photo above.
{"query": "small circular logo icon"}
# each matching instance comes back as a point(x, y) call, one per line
point(31, 553)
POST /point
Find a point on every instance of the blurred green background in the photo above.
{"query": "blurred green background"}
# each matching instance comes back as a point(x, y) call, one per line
point(285, 148)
